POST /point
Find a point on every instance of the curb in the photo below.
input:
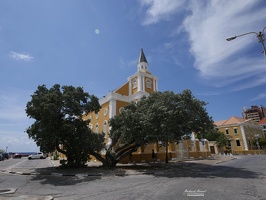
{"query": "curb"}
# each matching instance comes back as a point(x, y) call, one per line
point(48, 174)
point(222, 161)
point(28, 197)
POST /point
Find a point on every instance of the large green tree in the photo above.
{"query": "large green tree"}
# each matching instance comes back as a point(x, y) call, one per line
point(161, 117)
point(58, 122)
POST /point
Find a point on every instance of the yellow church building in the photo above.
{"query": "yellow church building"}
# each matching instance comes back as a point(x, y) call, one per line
point(140, 84)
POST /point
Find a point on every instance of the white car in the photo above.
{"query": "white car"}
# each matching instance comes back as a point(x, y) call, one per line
point(39, 155)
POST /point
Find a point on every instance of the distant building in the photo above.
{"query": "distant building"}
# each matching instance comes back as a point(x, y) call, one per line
point(240, 133)
point(255, 113)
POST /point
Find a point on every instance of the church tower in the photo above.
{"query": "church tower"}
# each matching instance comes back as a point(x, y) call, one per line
point(140, 84)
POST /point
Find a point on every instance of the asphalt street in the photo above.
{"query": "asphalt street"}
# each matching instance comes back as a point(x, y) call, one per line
point(238, 177)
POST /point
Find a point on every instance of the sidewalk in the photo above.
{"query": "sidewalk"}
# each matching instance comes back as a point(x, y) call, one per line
point(213, 160)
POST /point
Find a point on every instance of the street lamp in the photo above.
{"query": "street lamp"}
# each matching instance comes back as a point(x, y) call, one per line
point(259, 35)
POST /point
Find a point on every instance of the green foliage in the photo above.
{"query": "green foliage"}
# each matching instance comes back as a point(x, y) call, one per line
point(161, 117)
point(215, 135)
point(262, 142)
point(58, 121)
point(2, 151)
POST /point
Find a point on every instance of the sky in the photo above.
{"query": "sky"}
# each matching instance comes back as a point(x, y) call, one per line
point(95, 44)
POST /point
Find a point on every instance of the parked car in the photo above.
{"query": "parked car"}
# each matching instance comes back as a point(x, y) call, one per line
point(17, 155)
point(1, 157)
point(39, 155)
point(5, 155)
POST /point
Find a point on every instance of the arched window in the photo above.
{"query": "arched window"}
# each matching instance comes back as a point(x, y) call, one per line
point(134, 81)
point(148, 83)
point(105, 111)
point(104, 127)
point(121, 110)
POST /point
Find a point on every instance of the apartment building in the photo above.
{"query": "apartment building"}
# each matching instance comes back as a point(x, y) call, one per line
point(255, 113)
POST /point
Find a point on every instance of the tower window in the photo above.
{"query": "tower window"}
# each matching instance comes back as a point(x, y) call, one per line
point(105, 111)
point(134, 83)
point(148, 83)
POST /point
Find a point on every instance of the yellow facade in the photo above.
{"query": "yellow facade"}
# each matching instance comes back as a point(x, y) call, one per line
point(140, 84)
point(240, 134)
point(123, 90)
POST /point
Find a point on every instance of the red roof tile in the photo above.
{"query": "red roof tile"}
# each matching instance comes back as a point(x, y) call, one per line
point(263, 121)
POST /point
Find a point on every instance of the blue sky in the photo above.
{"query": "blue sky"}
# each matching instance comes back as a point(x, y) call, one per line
point(96, 44)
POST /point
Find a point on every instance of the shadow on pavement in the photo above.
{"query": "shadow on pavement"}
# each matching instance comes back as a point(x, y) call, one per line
point(169, 170)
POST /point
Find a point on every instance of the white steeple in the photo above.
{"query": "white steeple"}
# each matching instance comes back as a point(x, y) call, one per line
point(143, 63)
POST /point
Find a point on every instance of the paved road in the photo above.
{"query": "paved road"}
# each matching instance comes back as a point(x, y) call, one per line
point(242, 178)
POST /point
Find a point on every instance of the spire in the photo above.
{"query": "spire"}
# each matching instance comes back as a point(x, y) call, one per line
point(142, 57)
point(143, 63)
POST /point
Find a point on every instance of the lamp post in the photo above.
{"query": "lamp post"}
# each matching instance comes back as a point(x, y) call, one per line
point(259, 35)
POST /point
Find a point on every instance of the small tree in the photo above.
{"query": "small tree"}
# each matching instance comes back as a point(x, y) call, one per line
point(215, 135)
point(262, 142)
point(58, 122)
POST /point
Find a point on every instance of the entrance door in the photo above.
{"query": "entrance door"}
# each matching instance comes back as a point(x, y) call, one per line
point(212, 149)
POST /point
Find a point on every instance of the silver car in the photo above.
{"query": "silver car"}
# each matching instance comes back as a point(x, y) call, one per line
point(38, 155)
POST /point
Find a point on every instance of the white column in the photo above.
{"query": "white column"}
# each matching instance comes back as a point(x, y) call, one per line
point(130, 86)
point(244, 137)
point(139, 83)
point(143, 83)
point(112, 107)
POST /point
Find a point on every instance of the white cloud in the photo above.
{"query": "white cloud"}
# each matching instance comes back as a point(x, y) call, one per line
point(18, 144)
point(261, 96)
point(160, 10)
point(20, 56)
point(210, 23)
point(14, 120)
point(207, 25)
point(13, 104)
point(126, 64)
